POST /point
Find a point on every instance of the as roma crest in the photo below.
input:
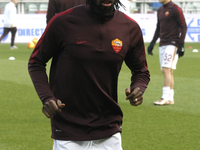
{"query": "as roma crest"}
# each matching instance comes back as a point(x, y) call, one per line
point(117, 45)
point(166, 13)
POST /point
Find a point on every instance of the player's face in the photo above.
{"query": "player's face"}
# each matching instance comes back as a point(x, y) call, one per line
point(105, 3)
point(15, 1)
point(164, 1)
point(103, 7)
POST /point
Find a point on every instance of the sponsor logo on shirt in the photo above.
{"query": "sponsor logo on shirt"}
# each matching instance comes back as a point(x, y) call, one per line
point(117, 45)
point(166, 13)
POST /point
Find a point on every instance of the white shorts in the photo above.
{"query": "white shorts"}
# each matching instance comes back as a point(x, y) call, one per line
point(168, 56)
point(111, 143)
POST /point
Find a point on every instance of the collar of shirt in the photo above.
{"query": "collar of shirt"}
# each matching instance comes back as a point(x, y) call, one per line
point(97, 16)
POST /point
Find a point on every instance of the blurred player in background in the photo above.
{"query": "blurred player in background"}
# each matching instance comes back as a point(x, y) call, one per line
point(57, 6)
point(10, 22)
point(171, 29)
point(88, 45)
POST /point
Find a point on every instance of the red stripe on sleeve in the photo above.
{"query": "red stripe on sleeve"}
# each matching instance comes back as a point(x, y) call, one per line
point(129, 18)
point(180, 14)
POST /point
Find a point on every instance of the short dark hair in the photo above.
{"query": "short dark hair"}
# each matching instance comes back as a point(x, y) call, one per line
point(117, 4)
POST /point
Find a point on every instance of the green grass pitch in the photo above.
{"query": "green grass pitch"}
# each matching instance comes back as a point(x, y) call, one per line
point(145, 127)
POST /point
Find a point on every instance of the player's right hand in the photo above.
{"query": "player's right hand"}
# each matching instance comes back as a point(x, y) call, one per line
point(51, 107)
point(150, 48)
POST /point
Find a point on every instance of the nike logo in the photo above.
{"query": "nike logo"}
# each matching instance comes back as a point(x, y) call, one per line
point(80, 42)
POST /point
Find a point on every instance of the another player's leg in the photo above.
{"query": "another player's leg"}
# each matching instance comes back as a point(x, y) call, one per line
point(174, 63)
point(5, 32)
point(166, 87)
point(13, 33)
point(167, 62)
point(171, 93)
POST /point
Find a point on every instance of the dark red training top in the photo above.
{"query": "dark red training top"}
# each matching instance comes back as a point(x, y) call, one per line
point(87, 54)
point(171, 25)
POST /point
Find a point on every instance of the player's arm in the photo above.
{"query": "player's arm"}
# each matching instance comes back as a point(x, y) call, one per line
point(43, 52)
point(179, 17)
point(155, 37)
point(136, 61)
point(12, 17)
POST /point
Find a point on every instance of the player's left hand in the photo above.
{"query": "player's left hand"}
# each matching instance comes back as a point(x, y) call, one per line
point(135, 97)
point(180, 50)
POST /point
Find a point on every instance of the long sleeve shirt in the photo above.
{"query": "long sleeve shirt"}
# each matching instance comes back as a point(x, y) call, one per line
point(87, 53)
point(10, 15)
point(171, 26)
point(57, 6)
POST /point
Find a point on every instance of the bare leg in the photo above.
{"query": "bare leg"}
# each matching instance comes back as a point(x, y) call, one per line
point(168, 92)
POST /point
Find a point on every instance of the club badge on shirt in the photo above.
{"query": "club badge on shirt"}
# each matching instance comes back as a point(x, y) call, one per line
point(117, 45)
point(166, 13)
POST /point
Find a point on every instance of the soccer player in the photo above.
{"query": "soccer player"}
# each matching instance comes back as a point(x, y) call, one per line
point(171, 29)
point(88, 45)
point(57, 6)
point(10, 22)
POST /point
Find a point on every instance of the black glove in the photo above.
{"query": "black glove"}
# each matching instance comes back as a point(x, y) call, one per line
point(180, 50)
point(150, 48)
